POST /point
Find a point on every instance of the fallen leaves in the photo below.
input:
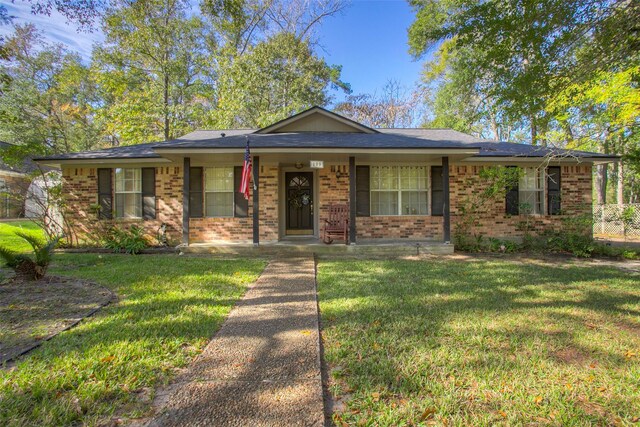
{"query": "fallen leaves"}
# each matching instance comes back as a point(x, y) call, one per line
point(107, 359)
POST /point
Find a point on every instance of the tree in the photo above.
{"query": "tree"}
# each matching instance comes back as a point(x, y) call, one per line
point(150, 71)
point(526, 46)
point(525, 62)
point(458, 98)
point(48, 99)
point(271, 81)
point(395, 107)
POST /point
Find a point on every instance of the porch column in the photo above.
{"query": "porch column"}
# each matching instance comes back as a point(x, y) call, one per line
point(256, 200)
point(446, 209)
point(186, 178)
point(352, 200)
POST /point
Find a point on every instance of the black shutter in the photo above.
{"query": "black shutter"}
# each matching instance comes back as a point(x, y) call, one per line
point(195, 193)
point(553, 190)
point(513, 199)
point(149, 193)
point(362, 191)
point(437, 192)
point(105, 193)
point(240, 204)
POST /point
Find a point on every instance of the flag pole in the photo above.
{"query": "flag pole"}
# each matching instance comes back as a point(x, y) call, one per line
point(253, 170)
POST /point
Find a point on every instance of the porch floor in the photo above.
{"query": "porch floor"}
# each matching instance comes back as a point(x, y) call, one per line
point(315, 245)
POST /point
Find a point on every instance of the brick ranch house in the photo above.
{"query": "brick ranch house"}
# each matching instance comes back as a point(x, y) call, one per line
point(398, 183)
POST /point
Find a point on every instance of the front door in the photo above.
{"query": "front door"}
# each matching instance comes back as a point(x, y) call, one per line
point(299, 202)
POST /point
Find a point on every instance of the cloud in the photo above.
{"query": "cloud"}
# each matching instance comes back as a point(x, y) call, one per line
point(54, 28)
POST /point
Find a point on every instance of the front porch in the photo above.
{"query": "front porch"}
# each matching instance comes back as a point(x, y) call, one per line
point(291, 200)
point(316, 246)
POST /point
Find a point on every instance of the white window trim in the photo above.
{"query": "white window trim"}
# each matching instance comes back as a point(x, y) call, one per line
point(541, 178)
point(206, 192)
point(399, 190)
point(116, 192)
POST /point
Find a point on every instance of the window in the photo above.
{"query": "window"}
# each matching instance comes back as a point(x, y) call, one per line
point(128, 193)
point(219, 191)
point(531, 191)
point(399, 190)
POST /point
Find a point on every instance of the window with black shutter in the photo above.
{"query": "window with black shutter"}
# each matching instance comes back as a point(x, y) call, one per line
point(195, 192)
point(240, 204)
point(437, 192)
point(105, 193)
point(513, 199)
point(553, 190)
point(363, 207)
point(149, 193)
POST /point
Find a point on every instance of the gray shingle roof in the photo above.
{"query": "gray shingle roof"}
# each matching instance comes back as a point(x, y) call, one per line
point(386, 139)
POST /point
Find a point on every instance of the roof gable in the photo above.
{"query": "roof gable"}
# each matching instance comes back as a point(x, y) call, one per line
point(316, 119)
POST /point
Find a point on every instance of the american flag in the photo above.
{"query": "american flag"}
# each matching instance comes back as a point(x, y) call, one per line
point(246, 173)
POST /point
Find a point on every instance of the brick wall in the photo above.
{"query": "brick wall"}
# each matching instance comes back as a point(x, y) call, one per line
point(80, 185)
point(575, 193)
point(241, 229)
point(81, 191)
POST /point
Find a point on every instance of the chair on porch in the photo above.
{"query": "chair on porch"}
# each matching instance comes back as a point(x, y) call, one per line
point(337, 225)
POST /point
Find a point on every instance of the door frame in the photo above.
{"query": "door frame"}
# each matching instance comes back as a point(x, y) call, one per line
point(282, 207)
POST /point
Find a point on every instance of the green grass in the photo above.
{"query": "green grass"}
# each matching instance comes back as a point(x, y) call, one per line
point(9, 239)
point(110, 364)
point(481, 343)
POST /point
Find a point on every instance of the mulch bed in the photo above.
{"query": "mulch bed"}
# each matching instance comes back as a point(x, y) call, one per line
point(32, 312)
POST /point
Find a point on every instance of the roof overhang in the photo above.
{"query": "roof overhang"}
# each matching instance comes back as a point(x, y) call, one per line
point(529, 159)
point(101, 161)
point(320, 150)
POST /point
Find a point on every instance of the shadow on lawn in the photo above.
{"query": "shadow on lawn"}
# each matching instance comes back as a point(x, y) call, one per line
point(386, 311)
point(167, 308)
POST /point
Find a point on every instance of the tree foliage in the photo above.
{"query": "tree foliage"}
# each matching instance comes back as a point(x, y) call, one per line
point(506, 66)
point(162, 70)
point(47, 100)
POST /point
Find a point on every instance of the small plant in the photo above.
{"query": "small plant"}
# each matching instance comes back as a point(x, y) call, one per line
point(130, 241)
point(25, 266)
point(627, 216)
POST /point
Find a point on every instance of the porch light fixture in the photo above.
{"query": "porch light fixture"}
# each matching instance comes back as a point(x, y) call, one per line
point(338, 174)
point(299, 165)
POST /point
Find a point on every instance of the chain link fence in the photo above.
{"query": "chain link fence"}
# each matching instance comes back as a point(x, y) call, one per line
point(617, 220)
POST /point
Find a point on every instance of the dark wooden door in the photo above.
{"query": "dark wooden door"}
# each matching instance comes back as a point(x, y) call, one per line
point(299, 202)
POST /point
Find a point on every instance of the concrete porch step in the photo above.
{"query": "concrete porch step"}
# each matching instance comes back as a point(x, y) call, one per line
point(306, 246)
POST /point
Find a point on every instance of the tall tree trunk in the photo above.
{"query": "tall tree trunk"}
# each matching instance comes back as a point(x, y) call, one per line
point(601, 184)
point(534, 130)
point(166, 107)
point(620, 184)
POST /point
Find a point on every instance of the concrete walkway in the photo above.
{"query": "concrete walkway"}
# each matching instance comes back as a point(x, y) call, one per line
point(263, 367)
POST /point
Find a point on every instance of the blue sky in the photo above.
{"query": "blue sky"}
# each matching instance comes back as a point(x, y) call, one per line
point(369, 40)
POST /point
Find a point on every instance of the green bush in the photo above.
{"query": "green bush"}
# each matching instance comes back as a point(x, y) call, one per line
point(26, 266)
point(131, 241)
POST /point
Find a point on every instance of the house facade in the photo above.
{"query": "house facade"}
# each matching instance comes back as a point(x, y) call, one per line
point(397, 183)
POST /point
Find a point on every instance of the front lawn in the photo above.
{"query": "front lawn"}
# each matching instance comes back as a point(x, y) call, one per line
point(109, 365)
point(482, 342)
point(8, 236)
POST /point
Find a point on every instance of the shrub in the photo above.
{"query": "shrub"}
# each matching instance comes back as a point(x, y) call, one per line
point(25, 266)
point(130, 241)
